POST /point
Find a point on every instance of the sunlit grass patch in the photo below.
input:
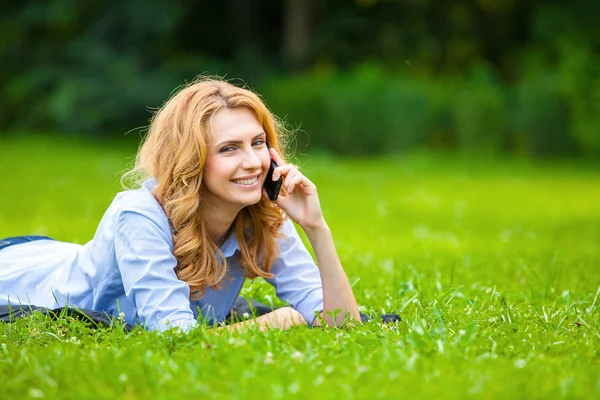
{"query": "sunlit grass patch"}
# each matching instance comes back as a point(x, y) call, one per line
point(492, 264)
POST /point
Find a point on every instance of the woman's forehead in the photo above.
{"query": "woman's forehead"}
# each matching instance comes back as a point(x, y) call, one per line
point(237, 124)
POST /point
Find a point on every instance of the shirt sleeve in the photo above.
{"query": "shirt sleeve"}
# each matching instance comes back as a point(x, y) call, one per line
point(147, 266)
point(297, 280)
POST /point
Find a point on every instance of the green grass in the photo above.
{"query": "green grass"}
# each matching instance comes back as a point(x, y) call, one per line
point(494, 266)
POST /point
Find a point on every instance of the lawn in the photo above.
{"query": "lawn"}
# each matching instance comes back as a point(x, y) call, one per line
point(493, 264)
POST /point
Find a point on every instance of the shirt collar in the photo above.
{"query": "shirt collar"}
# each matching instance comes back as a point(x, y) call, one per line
point(231, 244)
point(229, 247)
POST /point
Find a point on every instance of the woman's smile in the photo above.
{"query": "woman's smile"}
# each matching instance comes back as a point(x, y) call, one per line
point(247, 182)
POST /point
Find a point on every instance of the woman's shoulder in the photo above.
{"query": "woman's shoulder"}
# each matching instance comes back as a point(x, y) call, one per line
point(140, 201)
point(289, 235)
point(288, 228)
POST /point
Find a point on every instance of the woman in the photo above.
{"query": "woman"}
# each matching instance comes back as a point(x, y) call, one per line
point(181, 245)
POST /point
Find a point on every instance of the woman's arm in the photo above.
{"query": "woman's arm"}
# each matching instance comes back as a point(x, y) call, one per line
point(300, 201)
point(338, 299)
point(282, 318)
point(147, 267)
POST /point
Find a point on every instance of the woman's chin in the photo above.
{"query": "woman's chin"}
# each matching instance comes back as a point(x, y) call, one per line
point(250, 200)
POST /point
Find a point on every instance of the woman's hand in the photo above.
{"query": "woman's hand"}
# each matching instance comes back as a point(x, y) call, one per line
point(299, 200)
point(282, 318)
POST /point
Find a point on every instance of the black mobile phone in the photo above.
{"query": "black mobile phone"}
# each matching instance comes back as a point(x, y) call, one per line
point(272, 187)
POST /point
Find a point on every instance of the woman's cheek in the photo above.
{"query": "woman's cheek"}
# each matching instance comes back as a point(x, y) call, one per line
point(266, 161)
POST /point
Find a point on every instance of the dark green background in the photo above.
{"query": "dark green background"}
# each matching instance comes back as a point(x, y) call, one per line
point(357, 77)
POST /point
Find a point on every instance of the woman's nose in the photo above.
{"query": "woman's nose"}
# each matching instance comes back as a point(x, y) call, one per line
point(251, 160)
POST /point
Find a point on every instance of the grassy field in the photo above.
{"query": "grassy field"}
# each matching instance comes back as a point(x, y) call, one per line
point(494, 266)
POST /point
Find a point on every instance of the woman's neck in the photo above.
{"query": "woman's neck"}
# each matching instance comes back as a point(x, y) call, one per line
point(219, 223)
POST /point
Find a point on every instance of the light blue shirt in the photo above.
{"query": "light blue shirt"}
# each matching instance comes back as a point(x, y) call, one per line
point(129, 265)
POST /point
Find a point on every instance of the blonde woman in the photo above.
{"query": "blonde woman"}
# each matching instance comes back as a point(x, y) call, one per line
point(181, 245)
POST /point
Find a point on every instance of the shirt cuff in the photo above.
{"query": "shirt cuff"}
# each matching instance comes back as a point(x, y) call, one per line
point(184, 325)
point(308, 307)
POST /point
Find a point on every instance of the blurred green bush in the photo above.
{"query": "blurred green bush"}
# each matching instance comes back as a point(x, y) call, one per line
point(369, 111)
point(363, 77)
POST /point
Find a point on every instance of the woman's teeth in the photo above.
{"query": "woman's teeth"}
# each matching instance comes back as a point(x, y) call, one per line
point(246, 181)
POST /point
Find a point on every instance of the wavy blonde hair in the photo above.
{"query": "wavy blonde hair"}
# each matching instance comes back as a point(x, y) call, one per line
point(174, 152)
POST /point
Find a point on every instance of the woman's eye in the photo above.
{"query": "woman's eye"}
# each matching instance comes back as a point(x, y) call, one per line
point(259, 142)
point(227, 149)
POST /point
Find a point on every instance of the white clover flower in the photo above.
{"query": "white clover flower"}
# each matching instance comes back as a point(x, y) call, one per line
point(75, 340)
point(236, 342)
point(36, 393)
point(297, 356)
point(269, 358)
point(318, 380)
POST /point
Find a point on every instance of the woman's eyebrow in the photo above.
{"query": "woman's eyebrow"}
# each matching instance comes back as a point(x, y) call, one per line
point(239, 141)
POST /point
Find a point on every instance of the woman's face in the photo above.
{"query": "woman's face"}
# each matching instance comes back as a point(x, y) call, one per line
point(237, 160)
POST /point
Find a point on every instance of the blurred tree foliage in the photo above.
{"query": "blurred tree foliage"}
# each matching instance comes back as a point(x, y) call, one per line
point(363, 76)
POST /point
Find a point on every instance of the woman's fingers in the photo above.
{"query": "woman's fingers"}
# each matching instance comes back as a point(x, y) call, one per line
point(296, 178)
point(293, 176)
point(283, 170)
point(292, 179)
